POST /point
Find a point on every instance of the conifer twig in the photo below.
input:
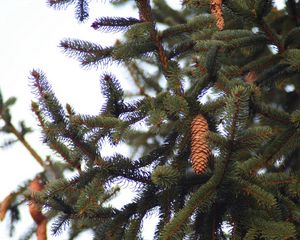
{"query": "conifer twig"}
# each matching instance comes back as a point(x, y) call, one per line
point(132, 68)
point(146, 15)
point(35, 109)
point(26, 145)
point(272, 36)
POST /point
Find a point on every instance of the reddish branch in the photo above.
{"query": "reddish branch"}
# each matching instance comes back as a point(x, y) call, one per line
point(145, 14)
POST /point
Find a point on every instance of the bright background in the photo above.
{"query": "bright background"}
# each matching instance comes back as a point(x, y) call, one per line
point(30, 34)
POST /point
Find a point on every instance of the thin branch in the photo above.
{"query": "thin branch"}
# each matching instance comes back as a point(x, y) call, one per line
point(27, 145)
point(146, 15)
point(272, 36)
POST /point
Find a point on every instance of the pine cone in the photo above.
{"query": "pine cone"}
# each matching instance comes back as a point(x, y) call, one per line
point(35, 211)
point(4, 205)
point(216, 10)
point(200, 151)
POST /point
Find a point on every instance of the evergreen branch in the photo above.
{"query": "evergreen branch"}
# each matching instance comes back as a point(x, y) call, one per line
point(174, 78)
point(252, 183)
point(122, 167)
point(146, 15)
point(133, 228)
point(240, 10)
point(138, 74)
point(263, 8)
point(273, 37)
point(49, 104)
point(35, 108)
point(59, 204)
point(60, 224)
point(205, 73)
point(169, 12)
point(53, 143)
point(211, 63)
point(293, 9)
point(146, 201)
point(271, 74)
point(97, 121)
point(283, 182)
point(81, 10)
point(180, 49)
point(87, 53)
point(259, 194)
point(237, 103)
point(200, 199)
point(159, 153)
point(285, 143)
point(274, 229)
point(176, 30)
point(274, 114)
point(59, 4)
point(262, 63)
point(254, 40)
point(114, 24)
point(133, 49)
point(253, 137)
point(134, 73)
point(165, 176)
point(293, 208)
point(53, 188)
point(291, 40)
point(86, 148)
point(64, 152)
point(112, 91)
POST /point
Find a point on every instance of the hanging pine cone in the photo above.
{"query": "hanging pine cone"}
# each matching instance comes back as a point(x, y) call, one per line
point(35, 211)
point(200, 151)
point(4, 205)
point(216, 10)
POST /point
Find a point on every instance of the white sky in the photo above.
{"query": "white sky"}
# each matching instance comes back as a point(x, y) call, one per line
point(30, 34)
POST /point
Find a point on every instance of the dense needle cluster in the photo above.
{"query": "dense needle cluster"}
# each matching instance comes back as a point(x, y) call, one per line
point(200, 150)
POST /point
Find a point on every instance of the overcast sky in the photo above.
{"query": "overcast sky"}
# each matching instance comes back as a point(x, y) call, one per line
point(30, 34)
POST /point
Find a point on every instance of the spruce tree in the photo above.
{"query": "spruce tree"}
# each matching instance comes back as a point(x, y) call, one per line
point(213, 126)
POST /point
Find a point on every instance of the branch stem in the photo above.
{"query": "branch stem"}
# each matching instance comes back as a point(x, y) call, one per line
point(26, 145)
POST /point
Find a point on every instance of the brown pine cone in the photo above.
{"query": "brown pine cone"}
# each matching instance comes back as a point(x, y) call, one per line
point(35, 211)
point(199, 148)
point(216, 10)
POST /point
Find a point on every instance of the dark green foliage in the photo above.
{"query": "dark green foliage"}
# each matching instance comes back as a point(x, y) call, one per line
point(81, 7)
point(89, 54)
point(109, 24)
point(81, 10)
point(250, 71)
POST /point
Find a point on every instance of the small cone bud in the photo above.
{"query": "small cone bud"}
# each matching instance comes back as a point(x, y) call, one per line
point(250, 77)
point(199, 149)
